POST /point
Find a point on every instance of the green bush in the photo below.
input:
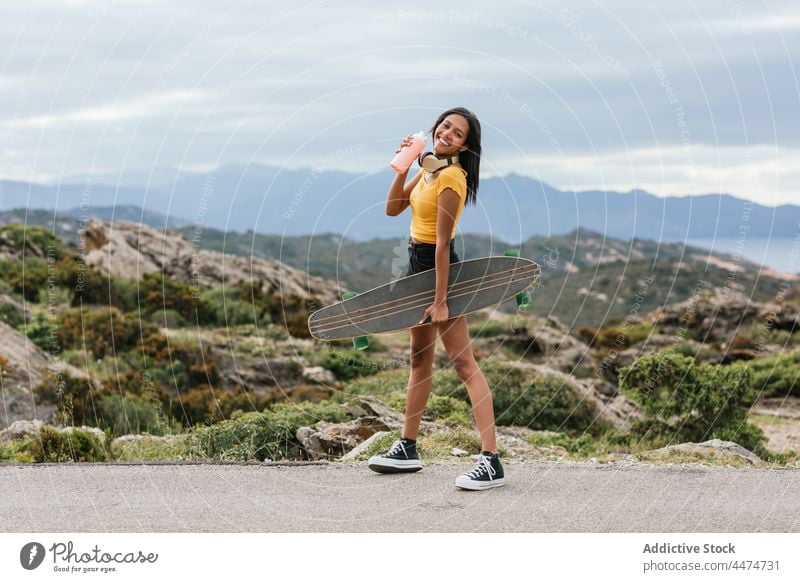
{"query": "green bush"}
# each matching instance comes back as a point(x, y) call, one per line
point(34, 241)
point(251, 437)
point(159, 292)
point(776, 376)
point(91, 287)
point(53, 446)
point(687, 401)
point(257, 436)
point(103, 331)
point(131, 414)
point(347, 364)
point(538, 401)
point(74, 398)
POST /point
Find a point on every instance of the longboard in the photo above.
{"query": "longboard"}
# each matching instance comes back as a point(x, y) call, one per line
point(472, 285)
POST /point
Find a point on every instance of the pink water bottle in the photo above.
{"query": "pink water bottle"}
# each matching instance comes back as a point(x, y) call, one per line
point(406, 156)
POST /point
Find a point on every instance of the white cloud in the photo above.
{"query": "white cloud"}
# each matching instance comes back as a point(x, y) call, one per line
point(153, 105)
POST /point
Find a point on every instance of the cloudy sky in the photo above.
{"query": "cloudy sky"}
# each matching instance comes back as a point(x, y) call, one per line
point(679, 97)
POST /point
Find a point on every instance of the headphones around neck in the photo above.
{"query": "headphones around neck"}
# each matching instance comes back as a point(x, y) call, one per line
point(430, 162)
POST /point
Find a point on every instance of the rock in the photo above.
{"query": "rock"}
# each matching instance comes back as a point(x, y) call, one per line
point(127, 249)
point(333, 440)
point(369, 406)
point(25, 365)
point(456, 452)
point(359, 450)
point(547, 340)
point(319, 375)
point(93, 430)
point(710, 449)
point(20, 429)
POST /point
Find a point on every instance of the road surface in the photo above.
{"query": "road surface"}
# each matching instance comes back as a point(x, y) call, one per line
point(539, 497)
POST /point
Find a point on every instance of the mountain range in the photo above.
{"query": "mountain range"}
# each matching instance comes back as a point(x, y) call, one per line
point(295, 202)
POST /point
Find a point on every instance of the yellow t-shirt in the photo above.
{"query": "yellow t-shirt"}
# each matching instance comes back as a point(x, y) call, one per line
point(424, 202)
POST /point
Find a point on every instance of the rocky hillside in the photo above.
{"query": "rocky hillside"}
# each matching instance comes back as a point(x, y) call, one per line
point(129, 250)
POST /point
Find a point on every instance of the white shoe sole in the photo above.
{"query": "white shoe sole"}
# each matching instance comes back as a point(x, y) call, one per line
point(479, 485)
point(383, 465)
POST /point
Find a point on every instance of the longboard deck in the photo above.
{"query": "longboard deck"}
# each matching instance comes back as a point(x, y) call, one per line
point(472, 285)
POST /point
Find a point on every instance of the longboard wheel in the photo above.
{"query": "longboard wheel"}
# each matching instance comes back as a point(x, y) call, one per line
point(524, 298)
point(362, 342)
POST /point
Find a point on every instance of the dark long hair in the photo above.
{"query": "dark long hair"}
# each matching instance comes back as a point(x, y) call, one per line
point(470, 159)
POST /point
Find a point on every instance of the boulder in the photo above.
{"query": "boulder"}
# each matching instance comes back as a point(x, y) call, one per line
point(20, 429)
point(359, 450)
point(24, 366)
point(127, 249)
point(714, 448)
point(319, 375)
point(326, 439)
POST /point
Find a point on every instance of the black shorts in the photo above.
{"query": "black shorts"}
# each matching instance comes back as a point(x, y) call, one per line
point(422, 256)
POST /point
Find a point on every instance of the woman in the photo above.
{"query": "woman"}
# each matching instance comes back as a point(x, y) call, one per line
point(437, 195)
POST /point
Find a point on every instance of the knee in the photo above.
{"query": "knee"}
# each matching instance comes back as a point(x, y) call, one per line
point(464, 365)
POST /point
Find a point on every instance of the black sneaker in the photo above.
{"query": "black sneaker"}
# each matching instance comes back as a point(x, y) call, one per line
point(401, 458)
point(487, 474)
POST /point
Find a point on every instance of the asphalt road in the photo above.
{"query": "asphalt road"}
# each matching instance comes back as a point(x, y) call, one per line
point(539, 497)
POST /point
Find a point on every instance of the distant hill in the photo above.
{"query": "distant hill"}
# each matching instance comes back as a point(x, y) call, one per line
point(513, 208)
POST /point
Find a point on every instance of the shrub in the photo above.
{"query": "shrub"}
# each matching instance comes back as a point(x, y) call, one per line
point(91, 287)
point(615, 336)
point(257, 436)
point(202, 404)
point(74, 398)
point(34, 241)
point(159, 292)
point(131, 414)
point(54, 446)
point(25, 277)
point(103, 331)
point(347, 364)
point(252, 437)
point(539, 401)
point(687, 401)
point(777, 375)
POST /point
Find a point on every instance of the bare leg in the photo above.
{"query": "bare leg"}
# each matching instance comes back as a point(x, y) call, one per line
point(420, 382)
point(455, 337)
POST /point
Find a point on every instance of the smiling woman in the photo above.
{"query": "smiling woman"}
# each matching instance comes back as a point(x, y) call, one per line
point(437, 195)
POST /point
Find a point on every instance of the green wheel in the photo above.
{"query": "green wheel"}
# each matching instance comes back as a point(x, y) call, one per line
point(362, 342)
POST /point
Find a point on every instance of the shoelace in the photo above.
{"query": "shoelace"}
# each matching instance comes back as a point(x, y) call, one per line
point(396, 447)
point(484, 466)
